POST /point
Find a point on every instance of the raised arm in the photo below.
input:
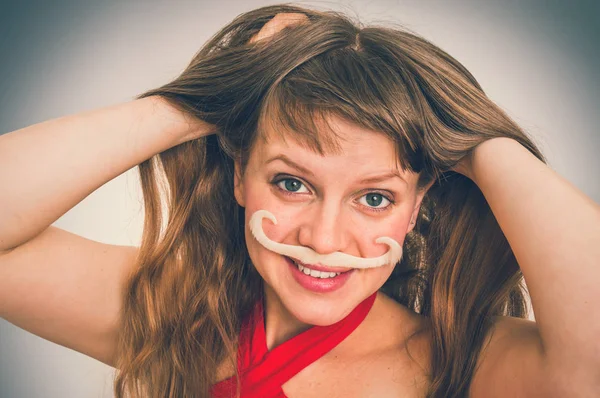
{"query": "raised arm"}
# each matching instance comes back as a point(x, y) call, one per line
point(554, 232)
point(55, 284)
point(48, 168)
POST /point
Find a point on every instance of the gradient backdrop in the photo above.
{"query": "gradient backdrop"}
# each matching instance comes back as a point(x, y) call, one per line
point(538, 61)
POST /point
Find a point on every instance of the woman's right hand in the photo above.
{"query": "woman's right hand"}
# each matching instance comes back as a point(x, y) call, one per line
point(277, 23)
point(204, 92)
point(181, 125)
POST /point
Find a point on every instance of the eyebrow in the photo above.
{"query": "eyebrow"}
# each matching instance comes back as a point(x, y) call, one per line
point(379, 178)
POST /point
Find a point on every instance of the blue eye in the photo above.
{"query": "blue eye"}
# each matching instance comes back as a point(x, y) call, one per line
point(289, 184)
point(373, 200)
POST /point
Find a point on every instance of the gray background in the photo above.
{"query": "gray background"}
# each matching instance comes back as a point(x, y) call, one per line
point(538, 60)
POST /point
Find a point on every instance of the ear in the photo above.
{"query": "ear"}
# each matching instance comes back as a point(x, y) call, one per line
point(238, 183)
point(415, 212)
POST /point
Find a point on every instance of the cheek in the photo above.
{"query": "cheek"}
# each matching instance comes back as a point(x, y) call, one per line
point(392, 227)
point(259, 195)
point(286, 216)
point(400, 222)
point(261, 257)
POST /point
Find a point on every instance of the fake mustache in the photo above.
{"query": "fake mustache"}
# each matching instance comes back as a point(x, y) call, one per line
point(309, 256)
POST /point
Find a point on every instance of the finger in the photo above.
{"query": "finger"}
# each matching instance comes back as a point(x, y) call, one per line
point(277, 23)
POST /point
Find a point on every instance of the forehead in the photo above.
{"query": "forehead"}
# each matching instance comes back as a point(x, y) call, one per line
point(333, 138)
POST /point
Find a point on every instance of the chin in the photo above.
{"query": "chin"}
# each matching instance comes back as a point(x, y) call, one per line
point(319, 312)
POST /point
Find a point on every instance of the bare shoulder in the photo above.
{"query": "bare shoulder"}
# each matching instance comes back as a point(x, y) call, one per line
point(511, 361)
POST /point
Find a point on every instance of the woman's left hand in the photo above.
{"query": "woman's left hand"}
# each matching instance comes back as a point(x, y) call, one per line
point(466, 166)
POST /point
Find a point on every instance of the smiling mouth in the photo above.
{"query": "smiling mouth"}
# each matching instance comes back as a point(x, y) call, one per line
point(317, 270)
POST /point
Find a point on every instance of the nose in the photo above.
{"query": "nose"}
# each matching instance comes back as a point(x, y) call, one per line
point(323, 230)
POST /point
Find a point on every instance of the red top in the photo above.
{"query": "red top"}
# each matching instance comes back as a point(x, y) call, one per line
point(263, 372)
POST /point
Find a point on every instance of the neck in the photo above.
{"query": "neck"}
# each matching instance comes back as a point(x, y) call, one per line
point(280, 324)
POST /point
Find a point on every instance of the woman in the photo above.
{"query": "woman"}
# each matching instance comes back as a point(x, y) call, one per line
point(340, 136)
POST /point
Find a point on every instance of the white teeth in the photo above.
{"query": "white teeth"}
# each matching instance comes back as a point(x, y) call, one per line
point(315, 273)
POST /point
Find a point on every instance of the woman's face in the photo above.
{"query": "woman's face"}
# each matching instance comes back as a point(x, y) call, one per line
point(333, 203)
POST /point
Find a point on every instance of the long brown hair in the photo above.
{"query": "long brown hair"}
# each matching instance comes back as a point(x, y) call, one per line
point(195, 281)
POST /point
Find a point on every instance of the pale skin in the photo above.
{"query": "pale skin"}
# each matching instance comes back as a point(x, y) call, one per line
point(330, 211)
point(66, 289)
point(554, 230)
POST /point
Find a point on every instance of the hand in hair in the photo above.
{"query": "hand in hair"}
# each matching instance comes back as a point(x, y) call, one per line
point(464, 166)
point(277, 23)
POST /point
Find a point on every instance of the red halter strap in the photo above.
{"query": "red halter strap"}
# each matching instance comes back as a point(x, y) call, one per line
point(263, 372)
